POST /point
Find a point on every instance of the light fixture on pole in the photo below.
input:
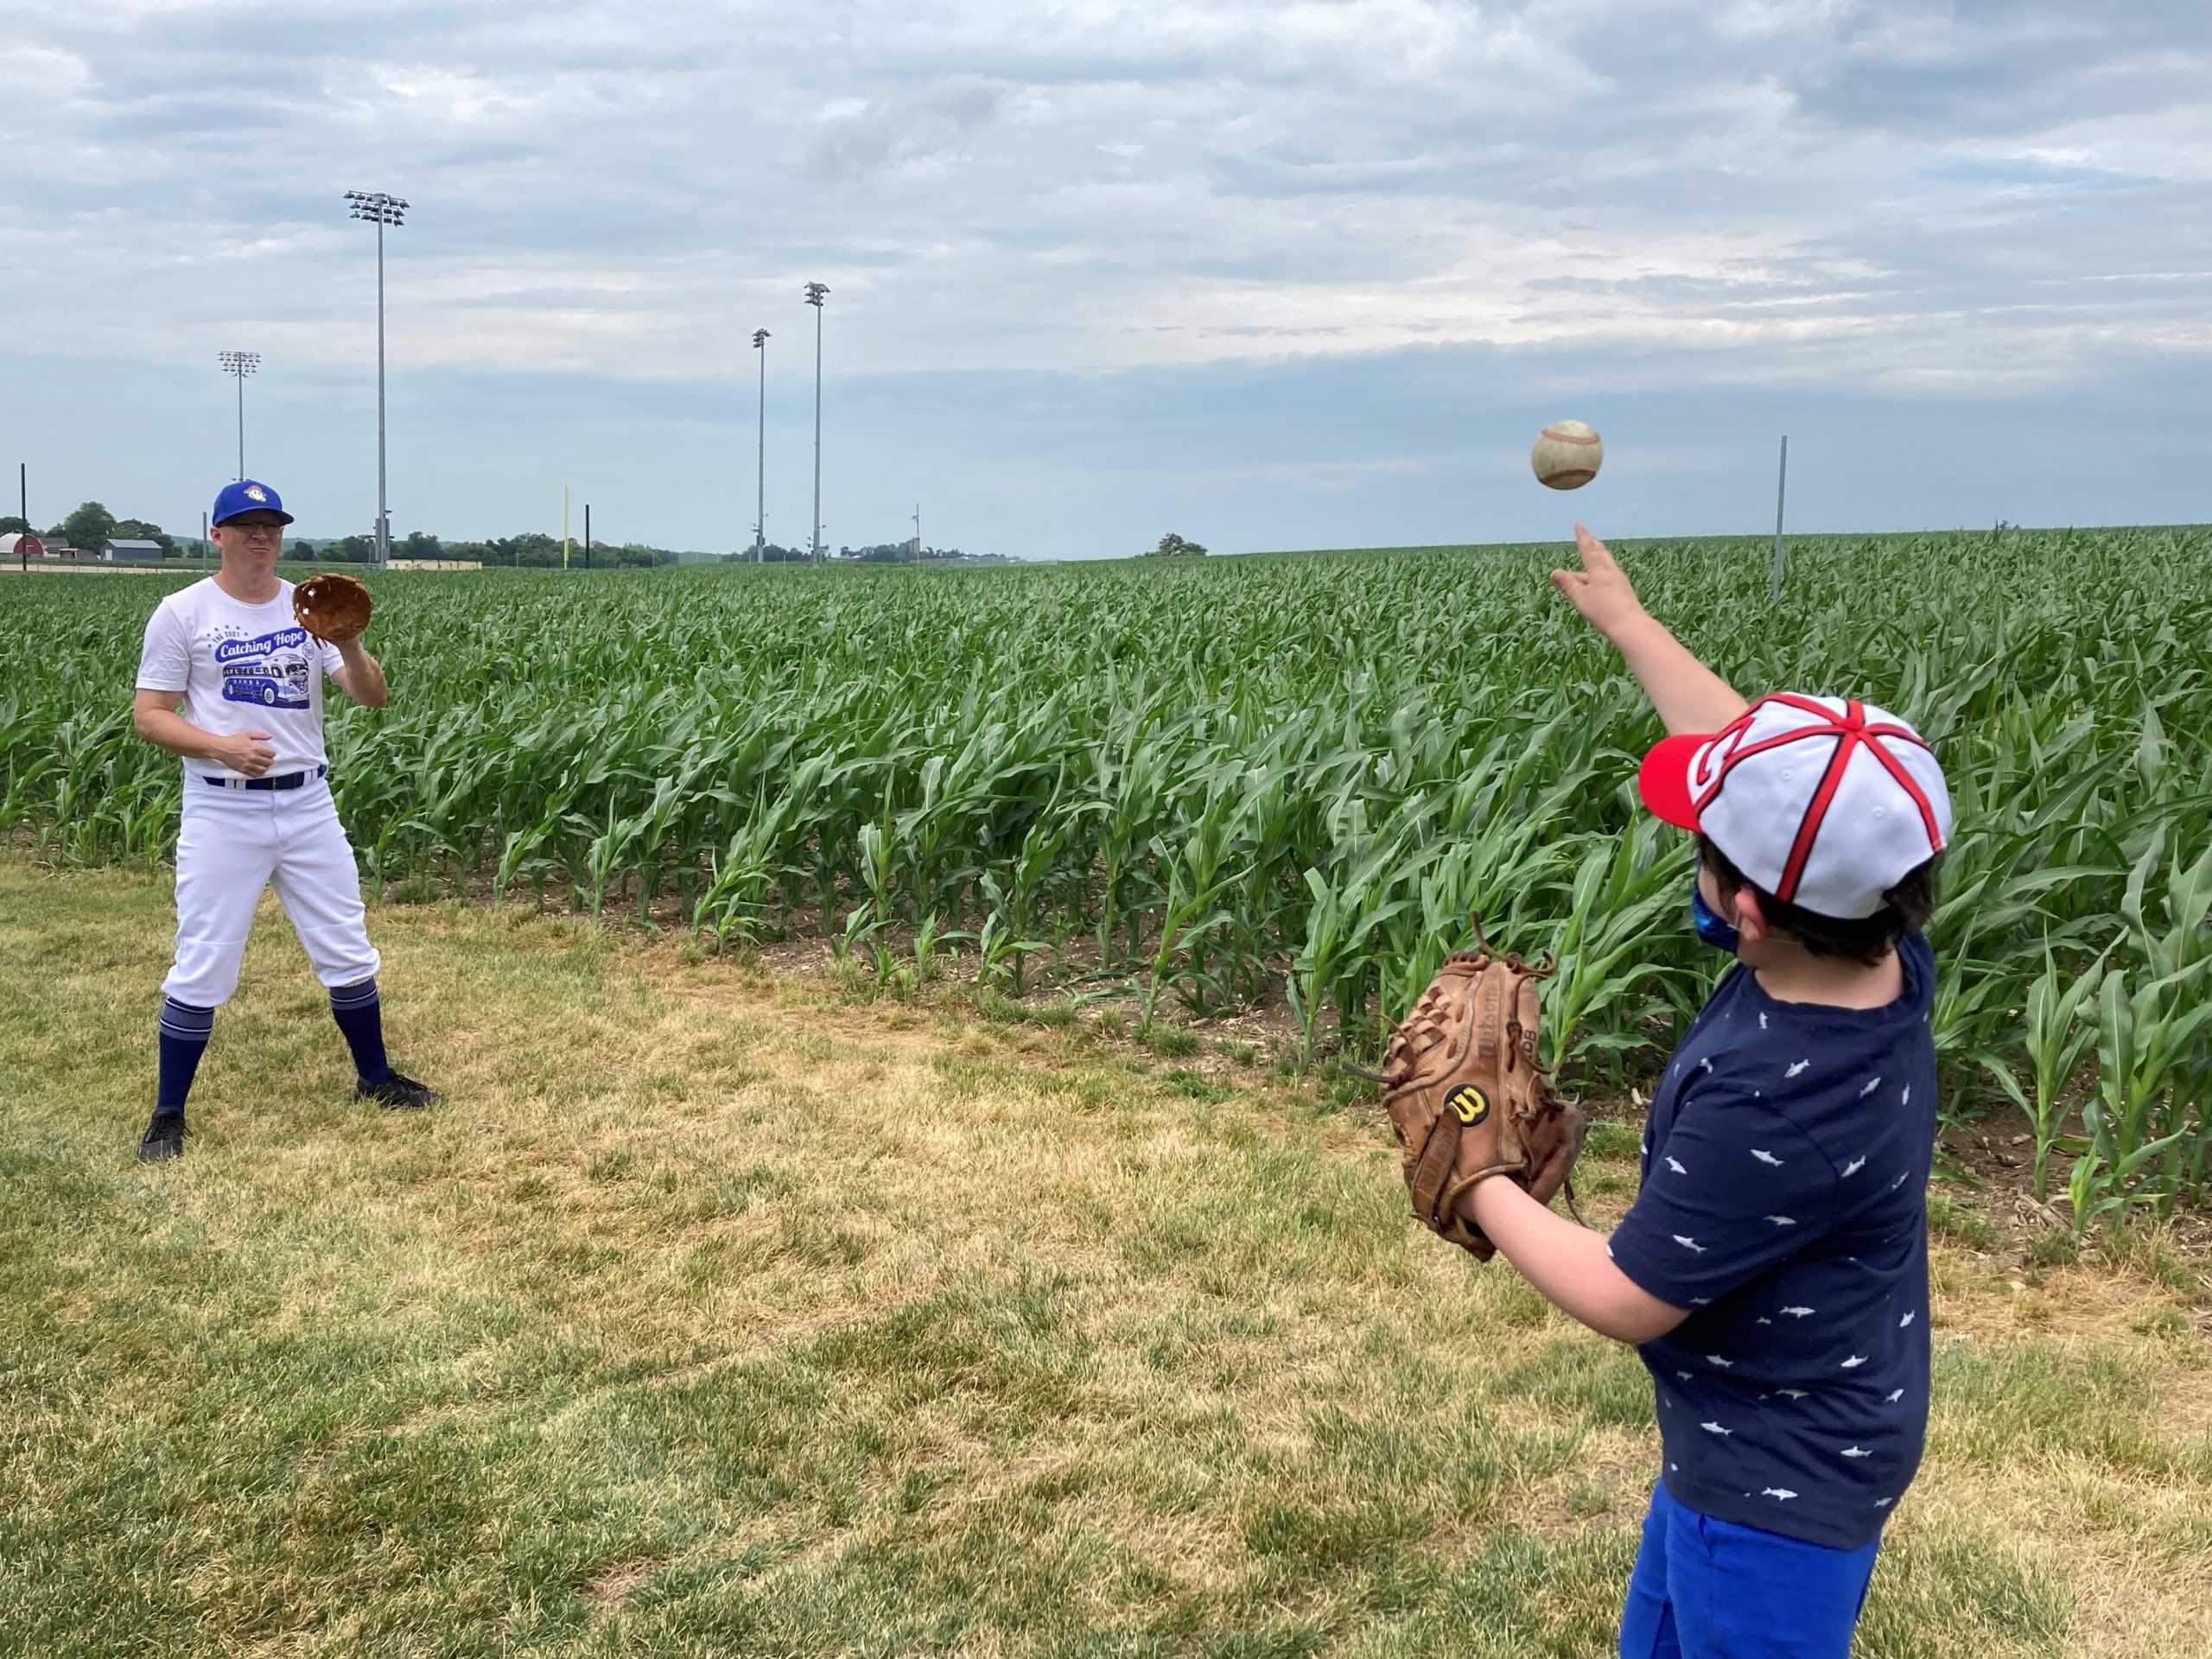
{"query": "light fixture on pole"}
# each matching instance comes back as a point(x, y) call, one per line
point(380, 210)
point(238, 365)
point(760, 509)
point(814, 293)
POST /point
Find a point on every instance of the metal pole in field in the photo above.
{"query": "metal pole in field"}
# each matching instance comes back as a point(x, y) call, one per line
point(238, 365)
point(586, 535)
point(918, 532)
point(814, 293)
point(565, 526)
point(23, 509)
point(760, 507)
point(1781, 490)
point(383, 505)
point(382, 210)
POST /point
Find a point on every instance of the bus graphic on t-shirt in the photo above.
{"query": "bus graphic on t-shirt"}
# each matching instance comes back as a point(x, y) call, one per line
point(272, 670)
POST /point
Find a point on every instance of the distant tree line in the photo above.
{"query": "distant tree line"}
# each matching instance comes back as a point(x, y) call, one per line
point(532, 550)
point(92, 524)
point(880, 553)
point(1172, 546)
point(89, 526)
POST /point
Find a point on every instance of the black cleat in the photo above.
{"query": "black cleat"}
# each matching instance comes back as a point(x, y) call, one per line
point(398, 1094)
point(164, 1138)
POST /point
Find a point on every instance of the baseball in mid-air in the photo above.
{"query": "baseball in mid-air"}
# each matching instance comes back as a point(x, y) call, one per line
point(1566, 456)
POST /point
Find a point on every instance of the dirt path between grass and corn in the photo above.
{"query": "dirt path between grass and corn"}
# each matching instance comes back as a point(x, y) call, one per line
point(719, 1313)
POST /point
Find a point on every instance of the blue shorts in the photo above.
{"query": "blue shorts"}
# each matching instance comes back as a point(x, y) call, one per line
point(1709, 1589)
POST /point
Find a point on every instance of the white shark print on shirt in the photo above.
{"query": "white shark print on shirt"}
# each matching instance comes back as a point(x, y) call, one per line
point(1715, 1429)
point(1674, 1164)
point(1893, 1397)
point(1856, 1452)
point(1854, 1362)
point(1792, 1394)
point(1855, 1166)
point(1799, 1311)
point(1795, 1069)
point(1905, 1321)
point(1784, 1221)
point(1783, 1492)
point(1872, 1083)
point(1766, 1157)
point(1690, 1245)
point(1715, 1359)
point(1761, 1022)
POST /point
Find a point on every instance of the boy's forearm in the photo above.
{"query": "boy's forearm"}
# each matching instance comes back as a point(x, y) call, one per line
point(1569, 1263)
point(1689, 696)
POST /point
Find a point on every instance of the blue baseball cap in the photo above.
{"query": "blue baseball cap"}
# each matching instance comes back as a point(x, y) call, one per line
point(246, 496)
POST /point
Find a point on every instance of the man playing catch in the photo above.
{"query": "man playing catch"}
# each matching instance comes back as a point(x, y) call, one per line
point(231, 682)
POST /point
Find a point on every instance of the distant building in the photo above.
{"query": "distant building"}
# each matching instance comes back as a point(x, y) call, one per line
point(132, 552)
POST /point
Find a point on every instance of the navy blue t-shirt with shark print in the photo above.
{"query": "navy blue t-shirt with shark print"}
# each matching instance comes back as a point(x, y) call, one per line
point(1784, 1203)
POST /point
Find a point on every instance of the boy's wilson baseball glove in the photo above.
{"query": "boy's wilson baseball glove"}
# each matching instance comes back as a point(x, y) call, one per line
point(1467, 1099)
point(331, 607)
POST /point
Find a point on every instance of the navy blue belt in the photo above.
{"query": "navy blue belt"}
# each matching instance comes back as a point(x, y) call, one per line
point(289, 780)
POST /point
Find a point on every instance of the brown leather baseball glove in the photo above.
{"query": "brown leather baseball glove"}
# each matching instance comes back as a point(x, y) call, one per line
point(1467, 1099)
point(331, 607)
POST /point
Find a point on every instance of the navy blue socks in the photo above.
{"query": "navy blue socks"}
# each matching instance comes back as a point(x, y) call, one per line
point(360, 1016)
point(184, 1033)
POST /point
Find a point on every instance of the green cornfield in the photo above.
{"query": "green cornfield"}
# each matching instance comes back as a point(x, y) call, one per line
point(1208, 785)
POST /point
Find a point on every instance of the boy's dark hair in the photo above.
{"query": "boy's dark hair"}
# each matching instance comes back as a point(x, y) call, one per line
point(1905, 909)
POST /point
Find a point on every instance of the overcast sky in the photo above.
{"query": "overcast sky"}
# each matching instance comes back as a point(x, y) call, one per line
point(1270, 275)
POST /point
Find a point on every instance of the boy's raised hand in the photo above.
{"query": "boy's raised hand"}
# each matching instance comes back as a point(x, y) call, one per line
point(1688, 695)
point(1600, 589)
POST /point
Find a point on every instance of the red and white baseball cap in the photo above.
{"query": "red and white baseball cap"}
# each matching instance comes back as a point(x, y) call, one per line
point(1822, 802)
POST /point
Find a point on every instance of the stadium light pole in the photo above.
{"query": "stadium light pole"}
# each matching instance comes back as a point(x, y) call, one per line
point(380, 210)
point(760, 506)
point(238, 365)
point(814, 293)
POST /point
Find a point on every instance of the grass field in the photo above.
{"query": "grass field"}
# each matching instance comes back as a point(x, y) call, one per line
point(719, 1315)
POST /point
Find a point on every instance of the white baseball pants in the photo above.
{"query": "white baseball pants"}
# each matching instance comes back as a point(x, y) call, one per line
point(233, 843)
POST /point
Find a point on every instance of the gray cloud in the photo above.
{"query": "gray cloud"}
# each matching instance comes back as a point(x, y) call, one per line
point(1842, 196)
point(925, 131)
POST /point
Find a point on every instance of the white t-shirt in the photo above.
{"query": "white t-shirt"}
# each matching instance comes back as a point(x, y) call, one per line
point(241, 668)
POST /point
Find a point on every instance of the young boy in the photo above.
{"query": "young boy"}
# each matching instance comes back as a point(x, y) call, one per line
point(1773, 1272)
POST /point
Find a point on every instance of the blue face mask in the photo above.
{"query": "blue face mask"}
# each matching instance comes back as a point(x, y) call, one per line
point(1711, 925)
